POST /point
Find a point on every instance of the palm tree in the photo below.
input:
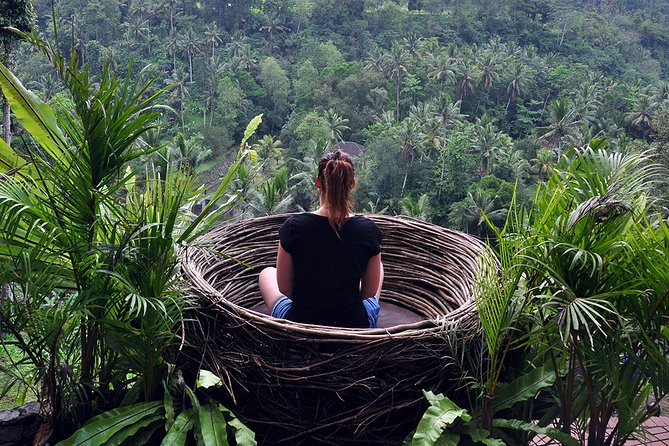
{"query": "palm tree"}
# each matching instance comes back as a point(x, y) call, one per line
point(488, 66)
point(272, 197)
point(587, 100)
point(589, 272)
point(518, 84)
point(543, 163)
point(269, 149)
point(642, 114)
point(179, 82)
point(440, 69)
point(271, 28)
point(561, 122)
point(387, 119)
point(246, 58)
point(466, 76)
point(416, 208)
point(306, 171)
point(173, 8)
point(375, 60)
point(447, 111)
point(237, 41)
point(173, 45)
point(412, 44)
point(488, 143)
point(395, 62)
point(190, 45)
point(410, 138)
point(137, 28)
point(212, 36)
point(470, 214)
point(336, 126)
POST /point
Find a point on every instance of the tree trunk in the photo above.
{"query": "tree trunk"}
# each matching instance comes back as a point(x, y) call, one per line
point(6, 118)
point(399, 81)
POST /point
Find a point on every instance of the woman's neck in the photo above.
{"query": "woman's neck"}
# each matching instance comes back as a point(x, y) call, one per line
point(324, 211)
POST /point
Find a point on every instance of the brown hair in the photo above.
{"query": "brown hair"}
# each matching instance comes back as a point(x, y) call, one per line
point(336, 172)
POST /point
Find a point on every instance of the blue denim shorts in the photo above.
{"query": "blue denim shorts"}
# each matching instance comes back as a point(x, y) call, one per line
point(371, 304)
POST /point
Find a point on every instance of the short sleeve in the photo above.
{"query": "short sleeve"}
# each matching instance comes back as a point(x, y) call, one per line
point(376, 236)
point(285, 235)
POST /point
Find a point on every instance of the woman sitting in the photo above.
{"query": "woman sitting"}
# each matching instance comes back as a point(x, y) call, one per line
point(328, 268)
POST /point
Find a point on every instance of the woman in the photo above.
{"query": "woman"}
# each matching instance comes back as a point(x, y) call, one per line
point(328, 268)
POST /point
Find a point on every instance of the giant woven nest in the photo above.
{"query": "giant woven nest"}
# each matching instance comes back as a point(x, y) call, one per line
point(306, 384)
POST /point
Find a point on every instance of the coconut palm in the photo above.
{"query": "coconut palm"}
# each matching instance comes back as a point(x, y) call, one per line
point(642, 114)
point(396, 65)
point(271, 28)
point(440, 69)
point(179, 84)
point(271, 197)
point(543, 163)
point(466, 78)
point(489, 66)
point(411, 139)
point(212, 36)
point(270, 149)
point(246, 58)
point(190, 45)
point(519, 83)
point(448, 112)
point(336, 125)
point(413, 44)
point(488, 143)
point(561, 122)
point(375, 60)
point(470, 214)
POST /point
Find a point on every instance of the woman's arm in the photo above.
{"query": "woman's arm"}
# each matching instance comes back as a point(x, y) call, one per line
point(284, 272)
point(372, 279)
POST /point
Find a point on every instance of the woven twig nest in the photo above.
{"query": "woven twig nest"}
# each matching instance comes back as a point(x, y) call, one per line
point(307, 384)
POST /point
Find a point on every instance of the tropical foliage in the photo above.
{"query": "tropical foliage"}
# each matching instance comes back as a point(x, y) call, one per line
point(89, 236)
point(575, 331)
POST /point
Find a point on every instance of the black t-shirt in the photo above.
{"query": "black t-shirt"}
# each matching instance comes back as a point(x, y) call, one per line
point(328, 268)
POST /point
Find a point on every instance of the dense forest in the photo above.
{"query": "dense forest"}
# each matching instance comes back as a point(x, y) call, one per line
point(453, 101)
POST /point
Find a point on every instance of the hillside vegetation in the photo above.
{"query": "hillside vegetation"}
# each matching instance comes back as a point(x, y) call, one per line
point(453, 101)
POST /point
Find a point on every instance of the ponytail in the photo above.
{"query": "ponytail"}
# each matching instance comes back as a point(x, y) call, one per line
point(336, 173)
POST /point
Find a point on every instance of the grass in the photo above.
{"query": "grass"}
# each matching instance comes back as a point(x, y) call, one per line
point(13, 392)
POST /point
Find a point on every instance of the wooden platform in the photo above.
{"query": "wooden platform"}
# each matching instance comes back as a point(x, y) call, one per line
point(390, 315)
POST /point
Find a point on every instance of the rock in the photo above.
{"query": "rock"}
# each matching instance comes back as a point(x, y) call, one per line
point(18, 425)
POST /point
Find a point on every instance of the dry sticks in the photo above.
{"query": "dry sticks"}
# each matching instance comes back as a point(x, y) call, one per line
point(306, 384)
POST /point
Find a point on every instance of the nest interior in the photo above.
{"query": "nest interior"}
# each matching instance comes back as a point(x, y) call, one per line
point(307, 384)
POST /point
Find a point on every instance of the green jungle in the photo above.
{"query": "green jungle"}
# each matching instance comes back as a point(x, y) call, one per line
point(538, 126)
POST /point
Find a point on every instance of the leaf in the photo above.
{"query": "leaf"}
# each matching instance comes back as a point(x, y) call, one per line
point(243, 435)
point(212, 426)
point(168, 403)
point(523, 388)
point(553, 433)
point(250, 130)
point(207, 379)
point(33, 114)
point(665, 332)
point(178, 433)
point(100, 429)
point(10, 162)
point(442, 413)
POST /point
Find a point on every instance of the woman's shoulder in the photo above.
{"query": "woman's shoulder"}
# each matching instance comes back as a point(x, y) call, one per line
point(364, 223)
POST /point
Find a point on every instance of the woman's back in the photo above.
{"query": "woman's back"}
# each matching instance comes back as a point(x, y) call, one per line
point(328, 266)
